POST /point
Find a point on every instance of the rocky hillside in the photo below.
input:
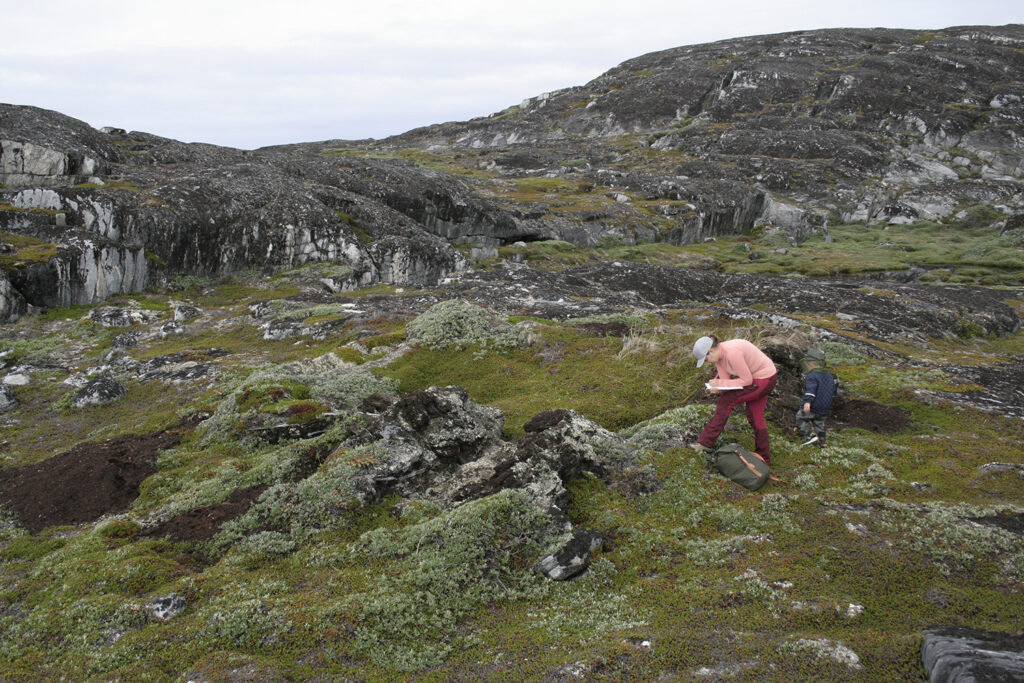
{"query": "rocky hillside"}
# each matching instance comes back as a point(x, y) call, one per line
point(418, 408)
point(794, 132)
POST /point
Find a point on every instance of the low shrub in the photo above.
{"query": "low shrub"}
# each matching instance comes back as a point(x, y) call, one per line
point(457, 323)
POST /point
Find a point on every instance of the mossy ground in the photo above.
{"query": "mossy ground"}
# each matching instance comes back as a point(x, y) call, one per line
point(961, 253)
point(700, 575)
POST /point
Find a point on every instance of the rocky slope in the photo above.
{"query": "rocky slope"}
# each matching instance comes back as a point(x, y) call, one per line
point(792, 132)
point(855, 125)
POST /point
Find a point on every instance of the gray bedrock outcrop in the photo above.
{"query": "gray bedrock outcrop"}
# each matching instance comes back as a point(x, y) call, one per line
point(873, 125)
point(43, 148)
point(168, 208)
point(788, 131)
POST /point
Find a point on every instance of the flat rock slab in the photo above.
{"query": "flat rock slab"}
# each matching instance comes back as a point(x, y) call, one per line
point(962, 654)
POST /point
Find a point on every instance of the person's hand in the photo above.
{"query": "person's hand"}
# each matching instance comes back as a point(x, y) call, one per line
point(807, 407)
point(714, 386)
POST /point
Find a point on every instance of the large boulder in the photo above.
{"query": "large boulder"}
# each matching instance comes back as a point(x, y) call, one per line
point(442, 447)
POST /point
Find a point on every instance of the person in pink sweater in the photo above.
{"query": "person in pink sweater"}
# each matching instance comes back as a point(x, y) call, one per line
point(745, 375)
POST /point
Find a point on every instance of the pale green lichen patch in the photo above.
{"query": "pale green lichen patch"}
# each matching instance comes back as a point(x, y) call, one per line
point(458, 323)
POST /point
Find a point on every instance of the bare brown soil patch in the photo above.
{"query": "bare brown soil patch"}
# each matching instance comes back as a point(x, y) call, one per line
point(200, 524)
point(84, 483)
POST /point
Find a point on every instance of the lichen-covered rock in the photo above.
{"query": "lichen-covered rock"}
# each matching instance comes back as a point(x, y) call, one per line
point(573, 557)
point(7, 400)
point(167, 607)
point(183, 313)
point(122, 317)
point(126, 340)
point(438, 445)
point(103, 389)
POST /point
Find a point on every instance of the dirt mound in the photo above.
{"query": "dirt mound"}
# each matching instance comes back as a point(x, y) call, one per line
point(85, 483)
point(202, 523)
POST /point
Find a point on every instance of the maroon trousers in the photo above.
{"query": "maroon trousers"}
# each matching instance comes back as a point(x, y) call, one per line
point(756, 398)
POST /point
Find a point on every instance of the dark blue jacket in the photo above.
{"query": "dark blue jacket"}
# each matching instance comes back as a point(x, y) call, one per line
point(819, 390)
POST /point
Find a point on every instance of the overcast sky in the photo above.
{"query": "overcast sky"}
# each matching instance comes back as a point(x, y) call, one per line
point(253, 73)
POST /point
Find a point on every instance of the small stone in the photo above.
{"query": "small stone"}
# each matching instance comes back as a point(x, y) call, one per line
point(167, 607)
point(7, 400)
point(172, 328)
point(572, 558)
point(17, 379)
point(851, 610)
point(185, 313)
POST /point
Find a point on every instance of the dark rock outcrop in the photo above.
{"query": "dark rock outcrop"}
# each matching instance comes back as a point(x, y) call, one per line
point(103, 389)
point(445, 448)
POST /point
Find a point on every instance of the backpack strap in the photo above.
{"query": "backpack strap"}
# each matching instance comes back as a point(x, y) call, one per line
point(771, 477)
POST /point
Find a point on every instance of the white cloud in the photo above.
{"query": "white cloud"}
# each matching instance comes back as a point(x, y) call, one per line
point(255, 73)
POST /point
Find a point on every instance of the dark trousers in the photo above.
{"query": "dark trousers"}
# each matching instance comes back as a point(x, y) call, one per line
point(810, 423)
point(756, 398)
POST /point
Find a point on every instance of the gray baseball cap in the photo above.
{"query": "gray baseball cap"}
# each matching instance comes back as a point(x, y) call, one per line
point(701, 348)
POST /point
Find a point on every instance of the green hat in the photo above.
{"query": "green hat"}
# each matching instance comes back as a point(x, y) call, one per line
point(815, 355)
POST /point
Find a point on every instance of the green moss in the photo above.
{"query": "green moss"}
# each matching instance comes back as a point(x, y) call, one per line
point(30, 548)
point(27, 251)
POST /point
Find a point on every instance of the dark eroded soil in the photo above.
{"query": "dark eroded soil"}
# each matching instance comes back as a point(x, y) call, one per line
point(202, 523)
point(85, 483)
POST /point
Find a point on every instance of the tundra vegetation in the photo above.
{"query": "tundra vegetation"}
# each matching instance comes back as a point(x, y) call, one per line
point(237, 509)
point(831, 573)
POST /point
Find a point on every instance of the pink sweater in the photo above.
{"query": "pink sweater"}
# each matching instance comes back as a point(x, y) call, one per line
point(745, 361)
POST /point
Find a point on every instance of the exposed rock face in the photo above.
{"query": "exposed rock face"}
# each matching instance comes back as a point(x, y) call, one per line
point(84, 271)
point(12, 303)
point(962, 654)
point(42, 148)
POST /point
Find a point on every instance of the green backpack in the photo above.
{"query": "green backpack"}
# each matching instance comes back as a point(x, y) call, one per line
point(744, 467)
